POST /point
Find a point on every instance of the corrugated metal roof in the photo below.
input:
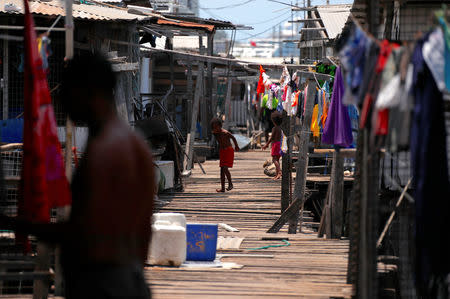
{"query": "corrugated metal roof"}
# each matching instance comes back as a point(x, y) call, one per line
point(334, 18)
point(80, 11)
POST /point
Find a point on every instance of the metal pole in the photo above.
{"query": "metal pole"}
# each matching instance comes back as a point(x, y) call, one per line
point(63, 213)
point(5, 78)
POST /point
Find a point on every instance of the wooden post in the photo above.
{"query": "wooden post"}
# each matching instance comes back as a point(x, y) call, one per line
point(285, 168)
point(210, 102)
point(5, 78)
point(40, 286)
point(367, 273)
point(226, 124)
point(204, 111)
point(189, 95)
point(337, 196)
point(323, 217)
point(200, 44)
point(191, 136)
point(203, 107)
point(247, 110)
point(63, 213)
point(302, 164)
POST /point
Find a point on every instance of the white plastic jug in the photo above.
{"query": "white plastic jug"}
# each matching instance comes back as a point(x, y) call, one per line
point(168, 245)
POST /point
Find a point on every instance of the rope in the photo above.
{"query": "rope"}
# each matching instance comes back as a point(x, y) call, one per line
point(269, 246)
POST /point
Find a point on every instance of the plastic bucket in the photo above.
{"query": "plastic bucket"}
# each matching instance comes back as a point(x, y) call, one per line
point(201, 241)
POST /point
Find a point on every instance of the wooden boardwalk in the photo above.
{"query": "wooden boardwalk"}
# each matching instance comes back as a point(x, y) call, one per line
point(308, 268)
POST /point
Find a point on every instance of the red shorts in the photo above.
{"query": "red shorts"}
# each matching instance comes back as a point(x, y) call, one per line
point(226, 156)
point(276, 149)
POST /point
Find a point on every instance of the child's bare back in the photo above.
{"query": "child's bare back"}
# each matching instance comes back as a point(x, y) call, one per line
point(223, 137)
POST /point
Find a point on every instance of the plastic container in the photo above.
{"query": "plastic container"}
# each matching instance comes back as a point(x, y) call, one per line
point(167, 168)
point(168, 245)
point(174, 218)
point(201, 242)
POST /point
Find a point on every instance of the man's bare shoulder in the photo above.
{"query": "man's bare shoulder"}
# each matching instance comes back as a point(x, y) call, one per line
point(118, 142)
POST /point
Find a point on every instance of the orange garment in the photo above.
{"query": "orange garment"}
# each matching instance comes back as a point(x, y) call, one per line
point(324, 116)
point(315, 121)
point(295, 103)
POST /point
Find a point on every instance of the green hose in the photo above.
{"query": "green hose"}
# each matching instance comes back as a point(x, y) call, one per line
point(286, 243)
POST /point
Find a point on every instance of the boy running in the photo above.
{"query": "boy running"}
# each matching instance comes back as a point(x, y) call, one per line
point(275, 138)
point(226, 152)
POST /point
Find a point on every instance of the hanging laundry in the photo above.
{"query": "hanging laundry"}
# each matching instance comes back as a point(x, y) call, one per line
point(260, 89)
point(431, 181)
point(354, 119)
point(387, 65)
point(322, 68)
point(44, 49)
point(269, 100)
point(295, 102)
point(266, 81)
point(325, 107)
point(265, 98)
point(44, 183)
point(315, 128)
point(337, 130)
point(353, 60)
point(320, 95)
point(433, 54)
point(372, 52)
point(372, 93)
point(446, 36)
point(285, 77)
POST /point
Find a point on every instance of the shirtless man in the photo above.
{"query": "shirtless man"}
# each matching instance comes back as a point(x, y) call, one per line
point(226, 152)
point(104, 244)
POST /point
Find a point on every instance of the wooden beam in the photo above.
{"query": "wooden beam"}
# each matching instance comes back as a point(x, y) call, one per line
point(12, 27)
point(345, 153)
point(312, 29)
point(323, 217)
point(285, 168)
point(337, 196)
point(228, 104)
point(311, 44)
point(305, 20)
point(41, 285)
point(290, 211)
point(304, 8)
point(125, 67)
point(189, 94)
point(211, 105)
point(391, 217)
point(191, 137)
point(224, 73)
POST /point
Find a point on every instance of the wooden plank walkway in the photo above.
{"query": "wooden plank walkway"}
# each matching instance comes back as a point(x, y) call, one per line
point(308, 268)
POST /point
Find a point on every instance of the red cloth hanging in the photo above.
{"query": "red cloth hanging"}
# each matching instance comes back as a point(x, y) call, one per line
point(381, 125)
point(261, 88)
point(44, 184)
point(382, 122)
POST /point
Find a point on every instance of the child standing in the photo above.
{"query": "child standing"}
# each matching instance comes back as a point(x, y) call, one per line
point(226, 152)
point(276, 142)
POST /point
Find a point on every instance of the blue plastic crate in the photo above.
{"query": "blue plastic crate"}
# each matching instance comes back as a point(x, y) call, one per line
point(201, 241)
point(11, 130)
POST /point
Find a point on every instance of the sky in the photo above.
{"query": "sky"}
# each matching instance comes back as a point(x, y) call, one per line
point(262, 15)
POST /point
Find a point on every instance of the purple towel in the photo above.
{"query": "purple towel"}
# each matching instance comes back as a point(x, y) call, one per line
point(338, 128)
